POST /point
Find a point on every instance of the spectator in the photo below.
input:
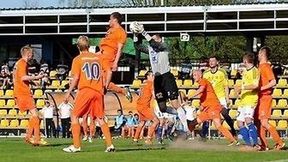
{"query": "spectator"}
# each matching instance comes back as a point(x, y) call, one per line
point(130, 124)
point(6, 80)
point(62, 72)
point(47, 112)
point(5, 67)
point(65, 114)
point(120, 122)
point(45, 81)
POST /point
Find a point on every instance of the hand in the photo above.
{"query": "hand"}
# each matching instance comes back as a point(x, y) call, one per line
point(114, 67)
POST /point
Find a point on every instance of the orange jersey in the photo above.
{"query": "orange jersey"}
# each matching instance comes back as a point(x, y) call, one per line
point(145, 95)
point(110, 42)
point(20, 70)
point(89, 69)
point(208, 98)
point(266, 75)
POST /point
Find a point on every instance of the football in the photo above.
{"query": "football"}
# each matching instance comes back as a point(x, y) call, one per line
point(135, 27)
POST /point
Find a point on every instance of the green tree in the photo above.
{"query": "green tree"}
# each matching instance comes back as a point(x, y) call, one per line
point(82, 3)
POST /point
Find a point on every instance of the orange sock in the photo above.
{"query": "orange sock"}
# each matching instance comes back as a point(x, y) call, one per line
point(30, 129)
point(262, 136)
point(85, 128)
point(138, 131)
point(107, 135)
point(36, 128)
point(116, 89)
point(76, 135)
point(151, 131)
point(92, 129)
point(226, 133)
point(276, 138)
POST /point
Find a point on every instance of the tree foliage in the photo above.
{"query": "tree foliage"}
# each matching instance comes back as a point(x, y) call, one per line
point(81, 3)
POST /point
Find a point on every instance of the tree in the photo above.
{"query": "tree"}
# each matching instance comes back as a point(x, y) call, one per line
point(82, 3)
point(31, 3)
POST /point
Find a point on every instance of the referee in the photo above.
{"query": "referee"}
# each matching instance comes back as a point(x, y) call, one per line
point(165, 86)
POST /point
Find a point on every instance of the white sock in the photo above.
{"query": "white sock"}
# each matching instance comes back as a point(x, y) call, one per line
point(182, 117)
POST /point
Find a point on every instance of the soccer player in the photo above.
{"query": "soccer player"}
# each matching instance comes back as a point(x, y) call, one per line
point(23, 96)
point(165, 86)
point(210, 107)
point(248, 101)
point(263, 109)
point(144, 109)
point(219, 80)
point(87, 74)
point(111, 47)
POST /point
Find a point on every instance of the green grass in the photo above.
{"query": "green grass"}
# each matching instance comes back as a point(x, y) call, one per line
point(14, 150)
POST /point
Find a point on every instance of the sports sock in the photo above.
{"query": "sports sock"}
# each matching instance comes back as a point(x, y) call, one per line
point(138, 131)
point(253, 133)
point(275, 136)
point(36, 128)
point(182, 117)
point(159, 132)
point(76, 135)
point(92, 128)
point(226, 133)
point(151, 130)
point(107, 134)
point(245, 135)
point(85, 128)
point(262, 136)
point(30, 129)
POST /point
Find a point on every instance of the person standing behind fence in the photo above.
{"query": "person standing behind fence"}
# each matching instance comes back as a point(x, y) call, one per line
point(47, 112)
point(65, 114)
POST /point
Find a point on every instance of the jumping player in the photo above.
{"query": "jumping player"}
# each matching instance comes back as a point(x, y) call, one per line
point(87, 73)
point(210, 107)
point(263, 109)
point(145, 112)
point(165, 86)
point(111, 48)
point(24, 98)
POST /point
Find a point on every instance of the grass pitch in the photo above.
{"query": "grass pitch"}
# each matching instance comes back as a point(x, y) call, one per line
point(15, 150)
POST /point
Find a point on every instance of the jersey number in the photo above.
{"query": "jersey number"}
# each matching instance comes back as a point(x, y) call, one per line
point(91, 70)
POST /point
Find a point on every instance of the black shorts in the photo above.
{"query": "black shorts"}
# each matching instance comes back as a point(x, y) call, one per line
point(165, 87)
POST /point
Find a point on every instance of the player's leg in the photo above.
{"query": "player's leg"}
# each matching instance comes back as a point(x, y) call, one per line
point(35, 124)
point(226, 133)
point(249, 114)
point(85, 127)
point(205, 129)
point(91, 129)
point(265, 105)
point(244, 132)
point(160, 130)
point(152, 129)
point(138, 130)
point(229, 120)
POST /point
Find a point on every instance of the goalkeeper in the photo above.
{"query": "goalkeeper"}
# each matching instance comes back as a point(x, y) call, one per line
point(165, 87)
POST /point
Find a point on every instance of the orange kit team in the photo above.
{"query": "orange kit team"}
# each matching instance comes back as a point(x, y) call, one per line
point(24, 98)
point(87, 74)
point(210, 107)
point(145, 111)
point(263, 109)
point(111, 46)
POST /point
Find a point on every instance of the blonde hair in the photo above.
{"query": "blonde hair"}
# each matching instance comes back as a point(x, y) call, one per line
point(83, 43)
point(25, 49)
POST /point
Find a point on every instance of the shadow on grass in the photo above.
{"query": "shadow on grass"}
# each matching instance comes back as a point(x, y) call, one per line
point(139, 149)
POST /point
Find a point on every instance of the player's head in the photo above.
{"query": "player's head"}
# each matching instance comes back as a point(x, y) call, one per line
point(149, 76)
point(27, 52)
point(157, 37)
point(264, 53)
point(83, 43)
point(115, 19)
point(213, 61)
point(248, 59)
point(197, 75)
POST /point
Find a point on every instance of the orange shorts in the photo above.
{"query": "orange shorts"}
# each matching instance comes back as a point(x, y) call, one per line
point(209, 114)
point(25, 102)
point(89, 101)
point(264, 107)
point(108, 56)
point(145, 113)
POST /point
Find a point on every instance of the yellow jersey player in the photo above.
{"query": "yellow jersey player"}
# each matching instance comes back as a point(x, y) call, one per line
point(248, 101)
point(219, 80)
